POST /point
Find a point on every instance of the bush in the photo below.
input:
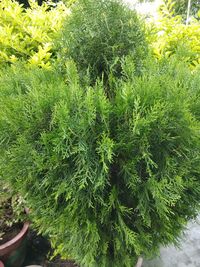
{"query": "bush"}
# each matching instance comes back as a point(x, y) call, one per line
point(99, 34)
point(180, 7)
point(26, 3)
point(27, 34)
point(107, 179)
point(171, 36)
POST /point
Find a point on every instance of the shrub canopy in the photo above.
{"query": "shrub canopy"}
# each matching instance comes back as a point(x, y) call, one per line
point(99, 34)
point(107, 179)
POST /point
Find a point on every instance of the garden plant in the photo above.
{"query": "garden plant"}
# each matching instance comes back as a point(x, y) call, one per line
point(12, 213)
point(169, 35)
point(99, 34)
point(104, 146)
point(27, 35)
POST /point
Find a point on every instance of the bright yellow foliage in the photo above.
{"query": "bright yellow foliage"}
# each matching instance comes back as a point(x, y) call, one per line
point(172, 35)
point(27, 34)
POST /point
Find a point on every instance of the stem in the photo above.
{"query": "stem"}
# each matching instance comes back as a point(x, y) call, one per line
point(139, 262)
point(188, 12)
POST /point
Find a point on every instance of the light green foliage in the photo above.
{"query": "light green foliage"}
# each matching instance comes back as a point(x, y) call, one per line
point(99, 34)
point(180, 7)
point(107, 179)
point(26, 34)
point(171, 36)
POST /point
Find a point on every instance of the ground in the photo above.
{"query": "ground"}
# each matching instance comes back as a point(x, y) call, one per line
point(187, 256)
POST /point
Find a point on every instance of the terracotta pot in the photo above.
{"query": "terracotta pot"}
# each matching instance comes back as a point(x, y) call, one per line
point(12, 253)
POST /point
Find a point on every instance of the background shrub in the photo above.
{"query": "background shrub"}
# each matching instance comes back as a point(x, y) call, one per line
point(106, 179)
point(181, 6)
point(27, 34)
point(169, 36)
point(99, 34)
point(26, 3)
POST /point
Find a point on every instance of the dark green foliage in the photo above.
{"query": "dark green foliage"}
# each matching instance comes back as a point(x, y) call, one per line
point(99, 34)
point(106, 179)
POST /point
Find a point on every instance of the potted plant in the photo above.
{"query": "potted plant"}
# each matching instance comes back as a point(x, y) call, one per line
point(108, 166)
point(13, 231)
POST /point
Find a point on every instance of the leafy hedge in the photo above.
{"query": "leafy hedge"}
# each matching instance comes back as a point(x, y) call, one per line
point(27, 34)
point(107, 179)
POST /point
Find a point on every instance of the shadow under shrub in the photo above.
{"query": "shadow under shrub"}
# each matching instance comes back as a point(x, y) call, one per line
point(106, 179)
point(98, 34)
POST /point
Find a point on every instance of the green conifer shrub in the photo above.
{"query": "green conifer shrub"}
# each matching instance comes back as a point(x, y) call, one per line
point(99, 34)
point(107, 179)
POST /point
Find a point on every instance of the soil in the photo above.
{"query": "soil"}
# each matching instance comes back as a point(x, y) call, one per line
point(9, 228)
point(39, 251)
point(10, 232)
point(60, 263)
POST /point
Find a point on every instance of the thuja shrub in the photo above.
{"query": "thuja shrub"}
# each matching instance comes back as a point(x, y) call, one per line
point(107, 179)
point(99, 34)
point(27, 34)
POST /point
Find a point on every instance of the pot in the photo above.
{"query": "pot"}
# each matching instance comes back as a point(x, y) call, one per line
point(12, 253)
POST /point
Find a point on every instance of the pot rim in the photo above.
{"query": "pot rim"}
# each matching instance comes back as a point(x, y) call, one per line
point(17, 237)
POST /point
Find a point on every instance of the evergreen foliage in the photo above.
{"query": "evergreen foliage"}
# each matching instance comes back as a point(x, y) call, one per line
point(107, 179)
point(99, 34)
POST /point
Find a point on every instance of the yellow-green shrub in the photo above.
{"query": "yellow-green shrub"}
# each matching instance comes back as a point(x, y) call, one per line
point(27, 34)
point(172, 36)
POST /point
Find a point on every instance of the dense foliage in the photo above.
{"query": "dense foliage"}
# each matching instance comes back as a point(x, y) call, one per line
point(106, 179)
point(99, 34)
point(181, 6)
point(169, 36)
point(27, 34)
point(109, 168)
point(26, 3)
